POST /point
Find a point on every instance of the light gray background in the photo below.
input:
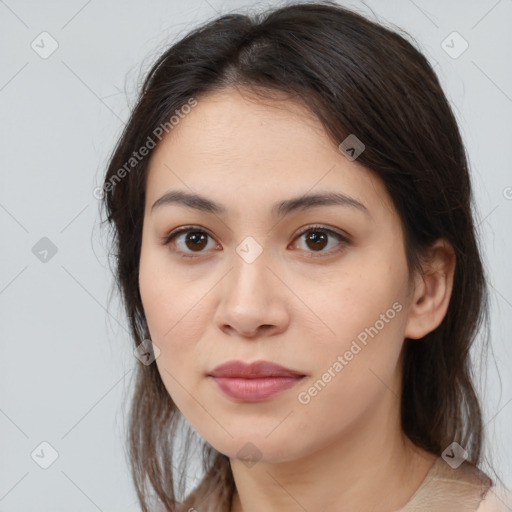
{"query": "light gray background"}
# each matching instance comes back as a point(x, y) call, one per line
point(66, 364)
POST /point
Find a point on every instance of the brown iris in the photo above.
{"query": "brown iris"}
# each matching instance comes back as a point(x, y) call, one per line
point(198, 239)
point(317, 238)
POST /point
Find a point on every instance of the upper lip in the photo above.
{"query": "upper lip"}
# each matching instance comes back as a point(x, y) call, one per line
point(255, 370)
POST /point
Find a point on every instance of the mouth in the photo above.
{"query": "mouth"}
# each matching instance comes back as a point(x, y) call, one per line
point(253, 382)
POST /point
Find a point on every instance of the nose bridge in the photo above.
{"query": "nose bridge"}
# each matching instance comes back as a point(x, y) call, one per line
point(250, 275)
point(251, 296)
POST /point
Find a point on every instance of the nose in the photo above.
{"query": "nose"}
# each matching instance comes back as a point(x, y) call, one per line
point(254, 301)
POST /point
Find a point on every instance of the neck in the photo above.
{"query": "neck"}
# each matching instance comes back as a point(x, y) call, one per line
point(371, 467)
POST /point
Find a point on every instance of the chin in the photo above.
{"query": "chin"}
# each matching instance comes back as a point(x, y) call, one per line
point(256, 449)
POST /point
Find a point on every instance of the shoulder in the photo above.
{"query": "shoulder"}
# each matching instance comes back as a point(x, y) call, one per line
point(496, 500)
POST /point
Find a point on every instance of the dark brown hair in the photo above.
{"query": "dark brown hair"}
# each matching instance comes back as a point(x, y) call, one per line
point(357, 77)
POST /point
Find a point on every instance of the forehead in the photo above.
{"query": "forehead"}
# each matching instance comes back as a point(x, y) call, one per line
point(233, 147)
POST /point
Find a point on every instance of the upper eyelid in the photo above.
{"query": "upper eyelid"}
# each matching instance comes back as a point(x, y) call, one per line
point(321, 227)
point(186, 229)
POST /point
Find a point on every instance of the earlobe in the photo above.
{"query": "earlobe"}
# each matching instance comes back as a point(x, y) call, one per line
point(433, 290)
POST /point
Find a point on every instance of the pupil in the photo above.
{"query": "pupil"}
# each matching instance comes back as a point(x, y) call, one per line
point(196, 237)
point(315, 238)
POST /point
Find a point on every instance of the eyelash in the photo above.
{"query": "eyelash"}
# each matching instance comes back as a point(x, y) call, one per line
point(315, 254)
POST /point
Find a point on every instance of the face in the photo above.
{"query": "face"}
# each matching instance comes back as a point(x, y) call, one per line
point(258, 272)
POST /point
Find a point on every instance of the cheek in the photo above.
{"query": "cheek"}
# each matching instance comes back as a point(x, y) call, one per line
point(353, 301)
point(165, 310)
point(169, 298)
point(357, 369)
point(172, 329)
point(363, 309)
point(177, 315)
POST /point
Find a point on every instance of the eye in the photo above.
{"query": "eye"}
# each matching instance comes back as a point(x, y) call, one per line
point(192, 239)
point(195, 240)
point(317, 238)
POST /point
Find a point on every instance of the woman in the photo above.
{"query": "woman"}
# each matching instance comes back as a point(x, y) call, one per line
point(295, 247)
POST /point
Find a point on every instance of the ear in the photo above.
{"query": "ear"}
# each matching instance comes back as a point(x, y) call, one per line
point(433, 290)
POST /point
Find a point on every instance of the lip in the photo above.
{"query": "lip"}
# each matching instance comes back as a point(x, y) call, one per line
point(255, 370)
point(254, 382)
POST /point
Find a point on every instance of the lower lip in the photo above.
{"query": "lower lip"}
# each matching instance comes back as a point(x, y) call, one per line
point(254, 390)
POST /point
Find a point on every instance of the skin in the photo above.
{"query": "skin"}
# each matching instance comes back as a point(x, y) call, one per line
point(345, 446)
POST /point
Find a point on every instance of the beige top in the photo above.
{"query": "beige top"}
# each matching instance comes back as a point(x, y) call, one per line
point(444, 489)
point(462, 489)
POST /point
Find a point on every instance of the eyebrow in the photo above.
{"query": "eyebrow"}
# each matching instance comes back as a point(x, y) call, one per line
point(280, 209)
